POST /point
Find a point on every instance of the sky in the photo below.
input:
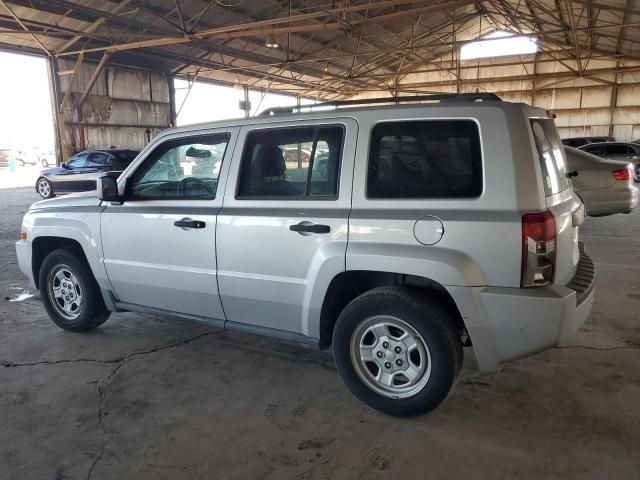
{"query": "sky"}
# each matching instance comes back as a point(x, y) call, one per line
point(25, 115)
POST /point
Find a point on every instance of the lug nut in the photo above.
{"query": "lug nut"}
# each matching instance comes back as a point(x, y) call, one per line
point(399, 362)
point(67, 298)
point(387, 365)
point(385, 344)
point(379, 354)
point(397, 349)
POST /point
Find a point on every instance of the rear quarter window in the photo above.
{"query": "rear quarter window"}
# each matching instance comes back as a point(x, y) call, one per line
point(550, 155)
point(425, 159)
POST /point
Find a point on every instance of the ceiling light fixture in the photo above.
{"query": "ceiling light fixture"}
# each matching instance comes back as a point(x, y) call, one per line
point(271, 41)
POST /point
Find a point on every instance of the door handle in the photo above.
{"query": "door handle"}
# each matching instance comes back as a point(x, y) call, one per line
point(308, 227)
point(186, 223)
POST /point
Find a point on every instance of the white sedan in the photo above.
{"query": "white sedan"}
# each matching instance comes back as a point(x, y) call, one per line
point(605, 186)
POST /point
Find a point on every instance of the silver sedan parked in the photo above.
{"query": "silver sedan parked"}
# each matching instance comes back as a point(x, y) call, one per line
point(605, 186)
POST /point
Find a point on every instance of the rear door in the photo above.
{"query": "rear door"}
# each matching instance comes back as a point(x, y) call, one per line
point(283, 227)
point(561, 200)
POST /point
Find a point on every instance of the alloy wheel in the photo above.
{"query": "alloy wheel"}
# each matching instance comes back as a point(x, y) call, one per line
point(390, 356)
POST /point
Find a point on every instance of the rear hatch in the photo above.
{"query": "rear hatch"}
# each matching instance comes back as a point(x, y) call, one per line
point(565, 206)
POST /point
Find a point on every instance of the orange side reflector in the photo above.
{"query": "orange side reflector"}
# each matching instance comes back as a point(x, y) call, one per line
point(23, 235)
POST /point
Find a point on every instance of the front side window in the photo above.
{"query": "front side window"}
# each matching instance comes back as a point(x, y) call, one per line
point(77, 161)
point(291, 163)
point(182, 169)
point(425, 159)
point(594, 149)
point(550, 155)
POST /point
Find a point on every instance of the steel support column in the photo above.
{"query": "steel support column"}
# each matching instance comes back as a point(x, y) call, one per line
point(54, 92)
point(172, 99)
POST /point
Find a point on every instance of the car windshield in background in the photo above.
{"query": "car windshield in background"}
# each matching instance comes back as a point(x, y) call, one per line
point(551, 155)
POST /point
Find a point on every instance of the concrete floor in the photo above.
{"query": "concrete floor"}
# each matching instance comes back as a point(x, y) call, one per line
point(150, 397)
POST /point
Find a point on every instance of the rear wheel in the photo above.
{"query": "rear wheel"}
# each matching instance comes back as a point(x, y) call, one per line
point(69, 292)
point(44, 188)
point(44, 162)
point(397, 350)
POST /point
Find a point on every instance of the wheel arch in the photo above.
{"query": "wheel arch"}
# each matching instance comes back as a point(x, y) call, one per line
point(349, 284)
point(44, 245)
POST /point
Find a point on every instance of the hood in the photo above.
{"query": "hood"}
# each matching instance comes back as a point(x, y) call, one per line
point(81, 199)
point(47, 172)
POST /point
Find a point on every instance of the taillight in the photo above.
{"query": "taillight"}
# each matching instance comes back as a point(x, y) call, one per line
point(623, 173)
point(538, 249)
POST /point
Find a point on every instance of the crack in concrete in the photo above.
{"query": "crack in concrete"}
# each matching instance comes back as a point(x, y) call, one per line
point(601, 349)
point(185, 341)
point(120, 363)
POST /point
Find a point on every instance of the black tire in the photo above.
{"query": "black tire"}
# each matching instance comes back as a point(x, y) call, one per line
point(92, 311)
point(429, 319)
point(44, 193)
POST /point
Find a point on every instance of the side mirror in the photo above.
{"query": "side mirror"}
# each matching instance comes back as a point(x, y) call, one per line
point(63, 164)
point(108, 188)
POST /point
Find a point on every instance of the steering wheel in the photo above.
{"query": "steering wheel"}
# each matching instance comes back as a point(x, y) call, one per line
point(190, 183)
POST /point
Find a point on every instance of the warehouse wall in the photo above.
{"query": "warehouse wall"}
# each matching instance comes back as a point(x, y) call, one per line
point(125, 108)
point(607, 103)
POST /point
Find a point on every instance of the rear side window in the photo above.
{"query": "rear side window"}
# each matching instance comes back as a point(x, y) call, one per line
point(550, 155)
point(96, 160)
point(617, 150)
point(425, 159)
point(290, 163)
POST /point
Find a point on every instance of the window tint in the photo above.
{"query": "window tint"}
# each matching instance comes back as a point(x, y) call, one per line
point(96, 160)
point(182, 169)
point(77, 161)
point(594, 149)
point(550, 155)
point(425, 159)
point(617, 150)
point(291, 162)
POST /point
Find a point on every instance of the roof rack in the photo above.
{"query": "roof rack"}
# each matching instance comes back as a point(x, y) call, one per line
point(441, 97)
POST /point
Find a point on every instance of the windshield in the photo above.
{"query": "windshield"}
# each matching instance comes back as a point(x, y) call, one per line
point(551, 156)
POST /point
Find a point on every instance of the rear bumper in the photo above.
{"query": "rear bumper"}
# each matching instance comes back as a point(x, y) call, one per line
point(609, 201)
point(510, 323)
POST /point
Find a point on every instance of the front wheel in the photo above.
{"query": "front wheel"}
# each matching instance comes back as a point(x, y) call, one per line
point(69, 292)
point(44, 188)
point(397, 350)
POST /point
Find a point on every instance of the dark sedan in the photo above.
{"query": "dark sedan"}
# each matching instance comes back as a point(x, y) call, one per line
point(79, 173)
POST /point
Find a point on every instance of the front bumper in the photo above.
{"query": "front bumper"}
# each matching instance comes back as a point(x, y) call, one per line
point(23, 252)
point(511, 323)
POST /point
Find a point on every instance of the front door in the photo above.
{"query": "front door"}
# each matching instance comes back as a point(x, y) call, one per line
point(160, 244)
point(66, 178)
point(284, 224)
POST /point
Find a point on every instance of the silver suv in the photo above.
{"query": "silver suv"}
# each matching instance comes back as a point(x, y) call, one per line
point(393, 234)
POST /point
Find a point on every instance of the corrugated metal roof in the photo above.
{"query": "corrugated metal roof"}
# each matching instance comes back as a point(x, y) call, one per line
point(327, 48)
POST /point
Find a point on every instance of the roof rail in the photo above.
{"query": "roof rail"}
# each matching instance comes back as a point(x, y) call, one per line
point(440, 97)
